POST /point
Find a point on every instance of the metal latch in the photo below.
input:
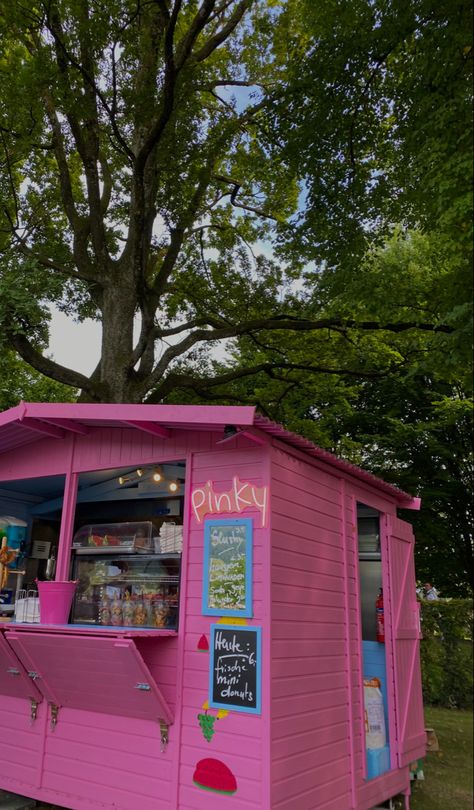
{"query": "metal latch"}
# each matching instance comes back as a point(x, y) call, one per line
point(33, 710)
point(143, 687)
point(34, 675)
point(13, 671)
point(164, 736)
point(54, 715)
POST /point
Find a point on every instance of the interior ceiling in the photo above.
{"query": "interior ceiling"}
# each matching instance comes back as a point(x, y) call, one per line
point(52, 486)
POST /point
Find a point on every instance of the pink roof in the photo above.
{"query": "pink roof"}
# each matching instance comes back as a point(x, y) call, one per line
point(30, 421)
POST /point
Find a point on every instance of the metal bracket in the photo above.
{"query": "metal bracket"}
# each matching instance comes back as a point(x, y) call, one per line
point(164, 736)
point(33, 710)
point(13, 671)
point(143, 687)
point(54, 715)
point(34, 675)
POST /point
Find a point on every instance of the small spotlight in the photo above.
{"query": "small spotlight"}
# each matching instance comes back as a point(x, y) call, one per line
point(173, 486)
point(123, 480)
point(157, 475)
point(139, 473)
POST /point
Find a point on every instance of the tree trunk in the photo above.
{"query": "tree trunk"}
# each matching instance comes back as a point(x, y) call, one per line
point(116, 374)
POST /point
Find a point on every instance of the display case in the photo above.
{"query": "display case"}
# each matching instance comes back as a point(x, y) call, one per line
point(122, 590)
point(113, 538)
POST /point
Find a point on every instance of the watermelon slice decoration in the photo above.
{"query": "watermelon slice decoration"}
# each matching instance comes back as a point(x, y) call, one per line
point(203, 644)
point(212, 774)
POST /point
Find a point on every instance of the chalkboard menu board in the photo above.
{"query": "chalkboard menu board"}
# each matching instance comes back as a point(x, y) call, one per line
point(227, 581)
point(235, 673)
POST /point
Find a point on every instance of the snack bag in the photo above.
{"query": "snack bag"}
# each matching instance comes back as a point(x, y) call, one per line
point(375, 733)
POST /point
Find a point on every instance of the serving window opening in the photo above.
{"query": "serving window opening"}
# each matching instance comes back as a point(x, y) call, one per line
point(126, 544)
point(372, 619)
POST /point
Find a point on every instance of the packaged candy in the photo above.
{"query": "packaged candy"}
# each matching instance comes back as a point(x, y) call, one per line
point(105, 616)
point(128, 610)
point(116, 612)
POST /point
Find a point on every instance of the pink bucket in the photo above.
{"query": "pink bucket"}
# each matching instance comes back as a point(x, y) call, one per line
point(55, 600)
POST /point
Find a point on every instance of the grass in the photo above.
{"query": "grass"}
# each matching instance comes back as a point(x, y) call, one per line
point(448, 772)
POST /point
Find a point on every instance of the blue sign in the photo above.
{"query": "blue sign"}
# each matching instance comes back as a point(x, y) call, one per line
point(235, 668)
point(227, 581)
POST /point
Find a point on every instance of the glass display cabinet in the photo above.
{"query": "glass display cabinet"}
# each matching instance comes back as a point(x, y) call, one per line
point(123, 590)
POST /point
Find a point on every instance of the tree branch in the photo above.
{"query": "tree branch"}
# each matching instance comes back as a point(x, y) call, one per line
point(224, 33)
point(49, 368)
point(200, 384)
point(283, 323)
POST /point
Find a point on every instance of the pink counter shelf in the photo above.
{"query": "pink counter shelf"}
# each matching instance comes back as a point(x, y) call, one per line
point(246, 689)
point(83, 630)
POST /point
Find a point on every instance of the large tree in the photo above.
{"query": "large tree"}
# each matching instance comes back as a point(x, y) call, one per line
point(145, 148)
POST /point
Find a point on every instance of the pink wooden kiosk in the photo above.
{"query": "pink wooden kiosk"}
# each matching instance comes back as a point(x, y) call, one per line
point(223, 641)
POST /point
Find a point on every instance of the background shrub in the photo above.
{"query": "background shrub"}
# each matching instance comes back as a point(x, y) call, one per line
point(446, 653)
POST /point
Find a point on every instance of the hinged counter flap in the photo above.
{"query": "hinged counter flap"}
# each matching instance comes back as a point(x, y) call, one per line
point(14, 680)
point(99, 674)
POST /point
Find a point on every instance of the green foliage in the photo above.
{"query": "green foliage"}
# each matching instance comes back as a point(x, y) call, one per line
point(446, 653)
point(377, 118)
point(20, 382)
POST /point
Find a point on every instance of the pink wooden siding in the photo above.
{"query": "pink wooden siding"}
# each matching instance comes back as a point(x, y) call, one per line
point(310, 740)
point(238, 741)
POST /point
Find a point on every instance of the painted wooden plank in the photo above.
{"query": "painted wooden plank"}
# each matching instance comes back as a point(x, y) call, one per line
point(321, 778)
point(303, 761)
point(307, 562)
point(299, 742)
point(313, 530)
point(229, 741)
point(81, 793)
point(307, 684)
point(308, 543)
point(338, 793)
point(309, 596)
point(309, 631)
point(280, 575)
point(294, 666)
point(324, 718)
point(193, 798)
point(300, 704)
point(90, 753)
point(301, 649)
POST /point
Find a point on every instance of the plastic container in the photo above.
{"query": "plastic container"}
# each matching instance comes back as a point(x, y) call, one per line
point(108, 538)
point(55, 600)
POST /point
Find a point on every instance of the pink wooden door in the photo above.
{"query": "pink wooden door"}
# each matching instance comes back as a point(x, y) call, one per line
point(404, 636)
point(14, 680)
point(97, 674)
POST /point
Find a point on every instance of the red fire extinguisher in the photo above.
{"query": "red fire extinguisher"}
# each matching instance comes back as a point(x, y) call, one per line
point(380, 633)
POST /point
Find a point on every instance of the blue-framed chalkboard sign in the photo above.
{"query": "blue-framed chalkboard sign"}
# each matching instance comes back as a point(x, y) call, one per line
point(227, 581)
point(235, 675)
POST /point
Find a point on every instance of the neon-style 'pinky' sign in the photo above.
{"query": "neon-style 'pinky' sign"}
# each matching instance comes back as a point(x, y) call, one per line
point(242, 495)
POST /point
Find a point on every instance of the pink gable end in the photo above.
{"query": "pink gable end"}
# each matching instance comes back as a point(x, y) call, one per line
point(405, 640)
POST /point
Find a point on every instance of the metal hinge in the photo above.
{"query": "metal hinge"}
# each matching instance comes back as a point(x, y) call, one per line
point(54, 715)
point(164, 736)
point(33, 710)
